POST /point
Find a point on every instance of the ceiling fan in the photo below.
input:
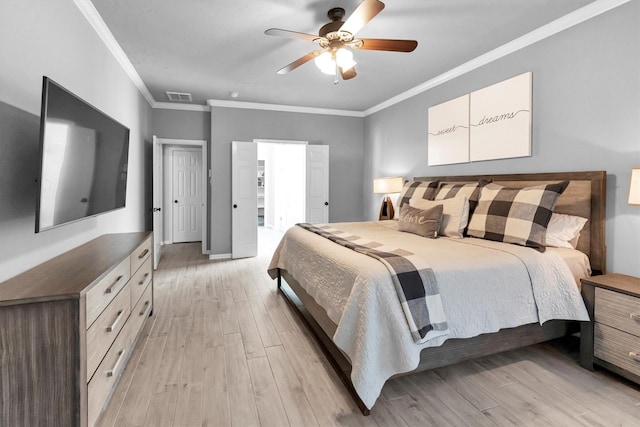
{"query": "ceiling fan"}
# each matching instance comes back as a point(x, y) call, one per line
point(337, 38)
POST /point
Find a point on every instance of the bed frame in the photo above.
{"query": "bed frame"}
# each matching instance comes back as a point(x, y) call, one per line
point(585, 196)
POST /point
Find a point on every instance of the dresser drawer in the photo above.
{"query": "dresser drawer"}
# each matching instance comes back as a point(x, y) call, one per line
point(617, 310)
point(617, 347)
point(107, 375)
point(141, 311)
point(100, 295)
point(141, 254)
point(105, 329)
point(140, 280)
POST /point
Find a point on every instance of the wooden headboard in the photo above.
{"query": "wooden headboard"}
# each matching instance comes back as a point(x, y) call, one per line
point(585, 196)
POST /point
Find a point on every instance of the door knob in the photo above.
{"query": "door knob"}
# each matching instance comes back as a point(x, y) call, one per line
point(175, 201)
point(235, 206)
point(157, 209)
point(326, 203)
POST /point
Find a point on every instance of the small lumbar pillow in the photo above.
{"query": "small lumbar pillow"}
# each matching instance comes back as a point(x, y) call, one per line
point(455, 214)
point(564, 230)
point(417, 190)
point(515, 215)
point(425, 223)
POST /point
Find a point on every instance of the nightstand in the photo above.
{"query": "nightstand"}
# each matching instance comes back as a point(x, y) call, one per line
point(612, 338)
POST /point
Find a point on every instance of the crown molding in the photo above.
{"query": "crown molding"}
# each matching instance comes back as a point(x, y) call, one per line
point(554, 27)
point(576, 17)
point(183, 107)
point(280, 107)
point(91, 14)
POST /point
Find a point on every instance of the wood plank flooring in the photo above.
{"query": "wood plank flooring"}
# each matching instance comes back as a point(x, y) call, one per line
point(224, 349)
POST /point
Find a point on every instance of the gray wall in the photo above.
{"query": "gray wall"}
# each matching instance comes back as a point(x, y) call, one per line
point(52, 38)
point(181, 124)
point(342, 134)
point(586, 116)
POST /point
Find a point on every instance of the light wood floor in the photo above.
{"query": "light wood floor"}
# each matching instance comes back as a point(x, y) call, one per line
point(223, 349)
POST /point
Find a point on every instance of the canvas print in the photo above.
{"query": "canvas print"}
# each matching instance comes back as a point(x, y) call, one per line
point(500, 120)
point(448, 140)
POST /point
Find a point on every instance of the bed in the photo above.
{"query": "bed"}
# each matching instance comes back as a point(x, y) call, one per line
point(345, 298)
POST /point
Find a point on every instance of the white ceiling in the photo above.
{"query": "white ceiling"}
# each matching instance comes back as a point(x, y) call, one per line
point(210, 48)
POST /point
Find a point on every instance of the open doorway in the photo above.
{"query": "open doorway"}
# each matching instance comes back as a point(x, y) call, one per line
point(175, 160)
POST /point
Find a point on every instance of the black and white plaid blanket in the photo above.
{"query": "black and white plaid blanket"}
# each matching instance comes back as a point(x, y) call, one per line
point(415, 282)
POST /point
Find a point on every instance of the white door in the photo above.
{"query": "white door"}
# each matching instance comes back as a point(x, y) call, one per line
point(157, 201)
point(244, 200)
point(187, 195)
point(317, 200)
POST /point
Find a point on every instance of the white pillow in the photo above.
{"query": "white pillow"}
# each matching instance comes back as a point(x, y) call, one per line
point(455, 214)
point(563, 230)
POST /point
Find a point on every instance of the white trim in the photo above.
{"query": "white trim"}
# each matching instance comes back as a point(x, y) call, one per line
point(279, 141)
point(280, 107)
point(91, 14)
point(567, 21)
point(193, 142)
point(219, 256)
point(176, 106)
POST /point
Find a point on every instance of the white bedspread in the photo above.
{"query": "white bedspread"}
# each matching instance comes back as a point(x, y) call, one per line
point(485, 286)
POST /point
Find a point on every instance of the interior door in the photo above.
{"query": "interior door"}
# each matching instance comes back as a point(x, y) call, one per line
point(187, 195)
point(244, 199)
point(157, 201)
point(317, 188)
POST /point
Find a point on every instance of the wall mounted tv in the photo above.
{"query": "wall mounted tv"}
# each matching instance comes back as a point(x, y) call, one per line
point(83, 159)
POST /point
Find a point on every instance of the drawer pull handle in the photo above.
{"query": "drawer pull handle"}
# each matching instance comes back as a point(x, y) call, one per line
point(141, 282)
point(115, 322)
point(634, 316)
point(115, 285)
point(111, 372)
point(635, 356)
point(144, 309)
point(143, 254)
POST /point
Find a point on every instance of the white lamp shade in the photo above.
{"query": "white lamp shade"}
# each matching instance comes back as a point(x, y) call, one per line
point(634, 187)
point(388, 185)
point(325, 63)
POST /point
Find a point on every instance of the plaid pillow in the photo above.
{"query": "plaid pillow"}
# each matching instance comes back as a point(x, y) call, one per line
point(471, 191)
point(515, 215)
point(417, 189)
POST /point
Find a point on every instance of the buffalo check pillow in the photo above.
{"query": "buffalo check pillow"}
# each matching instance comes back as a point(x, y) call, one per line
point(417, 190)
point(515, 215)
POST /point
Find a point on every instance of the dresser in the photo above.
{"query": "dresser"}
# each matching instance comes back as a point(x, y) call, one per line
point(612, 338)
point(67, 329)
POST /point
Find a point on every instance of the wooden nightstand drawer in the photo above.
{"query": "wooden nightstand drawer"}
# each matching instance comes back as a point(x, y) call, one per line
point(618, 310)
point(617, 347)
point(105, 329)
point(100, 295)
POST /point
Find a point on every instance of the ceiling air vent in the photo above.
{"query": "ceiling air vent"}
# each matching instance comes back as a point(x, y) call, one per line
point(179, 96)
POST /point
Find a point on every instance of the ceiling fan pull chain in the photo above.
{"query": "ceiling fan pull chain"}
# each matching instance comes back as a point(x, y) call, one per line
point(335, 82)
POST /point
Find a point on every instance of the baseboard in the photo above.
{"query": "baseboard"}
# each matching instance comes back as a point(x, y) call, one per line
point(219, 256)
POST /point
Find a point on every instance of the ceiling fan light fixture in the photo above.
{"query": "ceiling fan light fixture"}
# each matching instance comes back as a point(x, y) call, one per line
point(344, 57)
point(325, 63)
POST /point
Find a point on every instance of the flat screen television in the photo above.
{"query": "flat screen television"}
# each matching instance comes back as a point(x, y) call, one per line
point(83, 159)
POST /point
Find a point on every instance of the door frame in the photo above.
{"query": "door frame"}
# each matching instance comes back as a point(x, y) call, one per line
point(195, 143)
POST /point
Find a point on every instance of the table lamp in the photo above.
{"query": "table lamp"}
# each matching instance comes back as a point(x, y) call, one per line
point(387, 186)
point(634, 187)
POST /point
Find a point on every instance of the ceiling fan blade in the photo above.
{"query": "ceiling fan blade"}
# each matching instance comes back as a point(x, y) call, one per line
point(300, 61)
point(387, 44)
point(364, 13)
point(291, 34)
point(349, 74)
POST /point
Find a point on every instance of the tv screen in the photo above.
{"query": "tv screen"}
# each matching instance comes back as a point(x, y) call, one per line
point(83, 158)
